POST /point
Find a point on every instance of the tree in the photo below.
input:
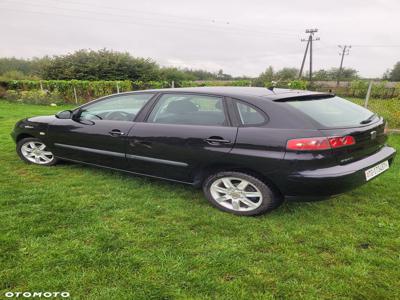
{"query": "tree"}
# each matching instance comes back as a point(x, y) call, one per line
point(222, 76)
point(286, 74)
point(17, 75)
point(100, 65)
point(265, 77)
point(332, 74)
point(175, 74)
point(395, 72)
point(322, 75)
point(386, 75)
point(346, 74)
point(200, 74)
point(15, 68)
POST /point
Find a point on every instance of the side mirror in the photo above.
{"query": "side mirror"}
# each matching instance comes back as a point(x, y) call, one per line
point(65, 114)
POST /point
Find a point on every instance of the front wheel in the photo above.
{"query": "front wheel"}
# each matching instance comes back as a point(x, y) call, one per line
point(34, 151)
point(240, 193)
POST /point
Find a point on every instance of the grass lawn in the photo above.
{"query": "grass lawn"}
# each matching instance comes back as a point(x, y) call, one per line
point(100, 234)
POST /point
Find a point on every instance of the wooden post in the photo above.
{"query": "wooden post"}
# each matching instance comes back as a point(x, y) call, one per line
point(172, 84)
point(368, 94)
point(117, 88)
point(76, 97)
point(41, 86)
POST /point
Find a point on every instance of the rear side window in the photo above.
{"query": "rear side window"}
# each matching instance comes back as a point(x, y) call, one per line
point(189, 110)
point(332, 112)
point(249, 115)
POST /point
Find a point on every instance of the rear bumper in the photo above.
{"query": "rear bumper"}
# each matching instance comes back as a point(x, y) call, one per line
point(323, 183)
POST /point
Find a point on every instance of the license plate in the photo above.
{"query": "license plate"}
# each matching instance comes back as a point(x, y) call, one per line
point(375, 171)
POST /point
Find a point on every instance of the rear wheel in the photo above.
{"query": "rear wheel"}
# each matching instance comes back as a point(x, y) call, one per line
point(240, 193)
point(34, 151)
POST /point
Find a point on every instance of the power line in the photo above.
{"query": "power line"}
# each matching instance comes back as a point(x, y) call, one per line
point(376, 46)
point(228, 28)
point(160, 25)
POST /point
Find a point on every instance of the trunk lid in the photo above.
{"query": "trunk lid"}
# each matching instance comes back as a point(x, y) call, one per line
point(369, 139)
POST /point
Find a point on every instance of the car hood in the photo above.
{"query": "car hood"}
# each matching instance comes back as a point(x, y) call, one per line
point(41, 119)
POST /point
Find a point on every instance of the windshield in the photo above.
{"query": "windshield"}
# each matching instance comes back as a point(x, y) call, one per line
point(334, 112)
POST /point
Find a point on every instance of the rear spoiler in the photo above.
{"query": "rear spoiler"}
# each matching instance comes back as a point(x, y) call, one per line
point(305, 97)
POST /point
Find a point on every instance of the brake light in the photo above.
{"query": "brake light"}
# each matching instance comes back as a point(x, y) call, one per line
point(320, 143)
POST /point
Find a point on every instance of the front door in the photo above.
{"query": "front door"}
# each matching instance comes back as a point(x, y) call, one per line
point(182, 133)
point(98, 133)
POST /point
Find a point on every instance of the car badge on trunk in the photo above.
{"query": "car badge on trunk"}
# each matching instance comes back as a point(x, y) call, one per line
point(373, 135)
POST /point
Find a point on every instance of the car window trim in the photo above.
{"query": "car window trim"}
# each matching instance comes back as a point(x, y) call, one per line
point(227, 123)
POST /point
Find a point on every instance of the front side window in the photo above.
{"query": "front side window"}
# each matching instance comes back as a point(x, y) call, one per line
point(118, 108)
point(189, 110)
point(249, 115)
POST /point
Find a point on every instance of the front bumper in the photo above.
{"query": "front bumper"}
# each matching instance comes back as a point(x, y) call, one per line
point(323, 183)
point(13, 136)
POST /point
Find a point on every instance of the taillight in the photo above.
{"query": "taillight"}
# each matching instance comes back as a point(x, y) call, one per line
point(307, 144)
point(320, 143)
point(337, 142)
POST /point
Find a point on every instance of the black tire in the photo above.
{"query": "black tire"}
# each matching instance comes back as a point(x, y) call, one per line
point(23, 142)
point(269, 200)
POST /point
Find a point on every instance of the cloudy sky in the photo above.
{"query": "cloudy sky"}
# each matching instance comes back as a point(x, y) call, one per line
point(240, 37)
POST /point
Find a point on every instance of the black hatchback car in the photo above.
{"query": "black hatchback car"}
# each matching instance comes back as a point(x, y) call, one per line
point(249, 148)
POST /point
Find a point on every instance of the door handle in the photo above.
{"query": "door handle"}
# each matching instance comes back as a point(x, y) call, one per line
point(215, 140)
point(116, 132)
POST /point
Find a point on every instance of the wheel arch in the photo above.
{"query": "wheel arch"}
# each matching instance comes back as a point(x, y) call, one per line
point(23, 136)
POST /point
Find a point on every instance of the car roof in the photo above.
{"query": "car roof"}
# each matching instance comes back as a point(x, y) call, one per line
point(234, 91)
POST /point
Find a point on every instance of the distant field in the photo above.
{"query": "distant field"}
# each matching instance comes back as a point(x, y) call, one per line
point(100, 234)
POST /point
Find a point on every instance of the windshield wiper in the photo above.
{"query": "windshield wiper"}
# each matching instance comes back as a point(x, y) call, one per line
point(369, 120)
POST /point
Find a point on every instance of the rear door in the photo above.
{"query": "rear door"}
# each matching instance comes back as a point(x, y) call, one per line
point(182, 133)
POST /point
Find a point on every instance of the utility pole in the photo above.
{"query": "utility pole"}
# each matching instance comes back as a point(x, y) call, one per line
point(345, 51)
point(304, 57)
point(309, 40)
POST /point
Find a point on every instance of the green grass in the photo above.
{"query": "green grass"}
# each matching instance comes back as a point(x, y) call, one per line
point(100, 234)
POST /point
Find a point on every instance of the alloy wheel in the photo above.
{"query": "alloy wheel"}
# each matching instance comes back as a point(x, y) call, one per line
point(236, 194)
point(37, 153)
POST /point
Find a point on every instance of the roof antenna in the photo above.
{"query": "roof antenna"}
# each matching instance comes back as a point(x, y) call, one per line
point(271, 88)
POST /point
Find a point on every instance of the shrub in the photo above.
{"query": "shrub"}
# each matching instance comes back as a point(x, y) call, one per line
point(11, 95)
point(3, 92)
point(359, 88)
point(378, 89)
point(34, 97)
point(298, 84)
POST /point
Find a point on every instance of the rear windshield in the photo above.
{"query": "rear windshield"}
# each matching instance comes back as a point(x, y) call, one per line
point(333, 112)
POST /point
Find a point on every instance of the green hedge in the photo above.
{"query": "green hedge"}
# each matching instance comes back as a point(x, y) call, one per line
point(63, 91)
